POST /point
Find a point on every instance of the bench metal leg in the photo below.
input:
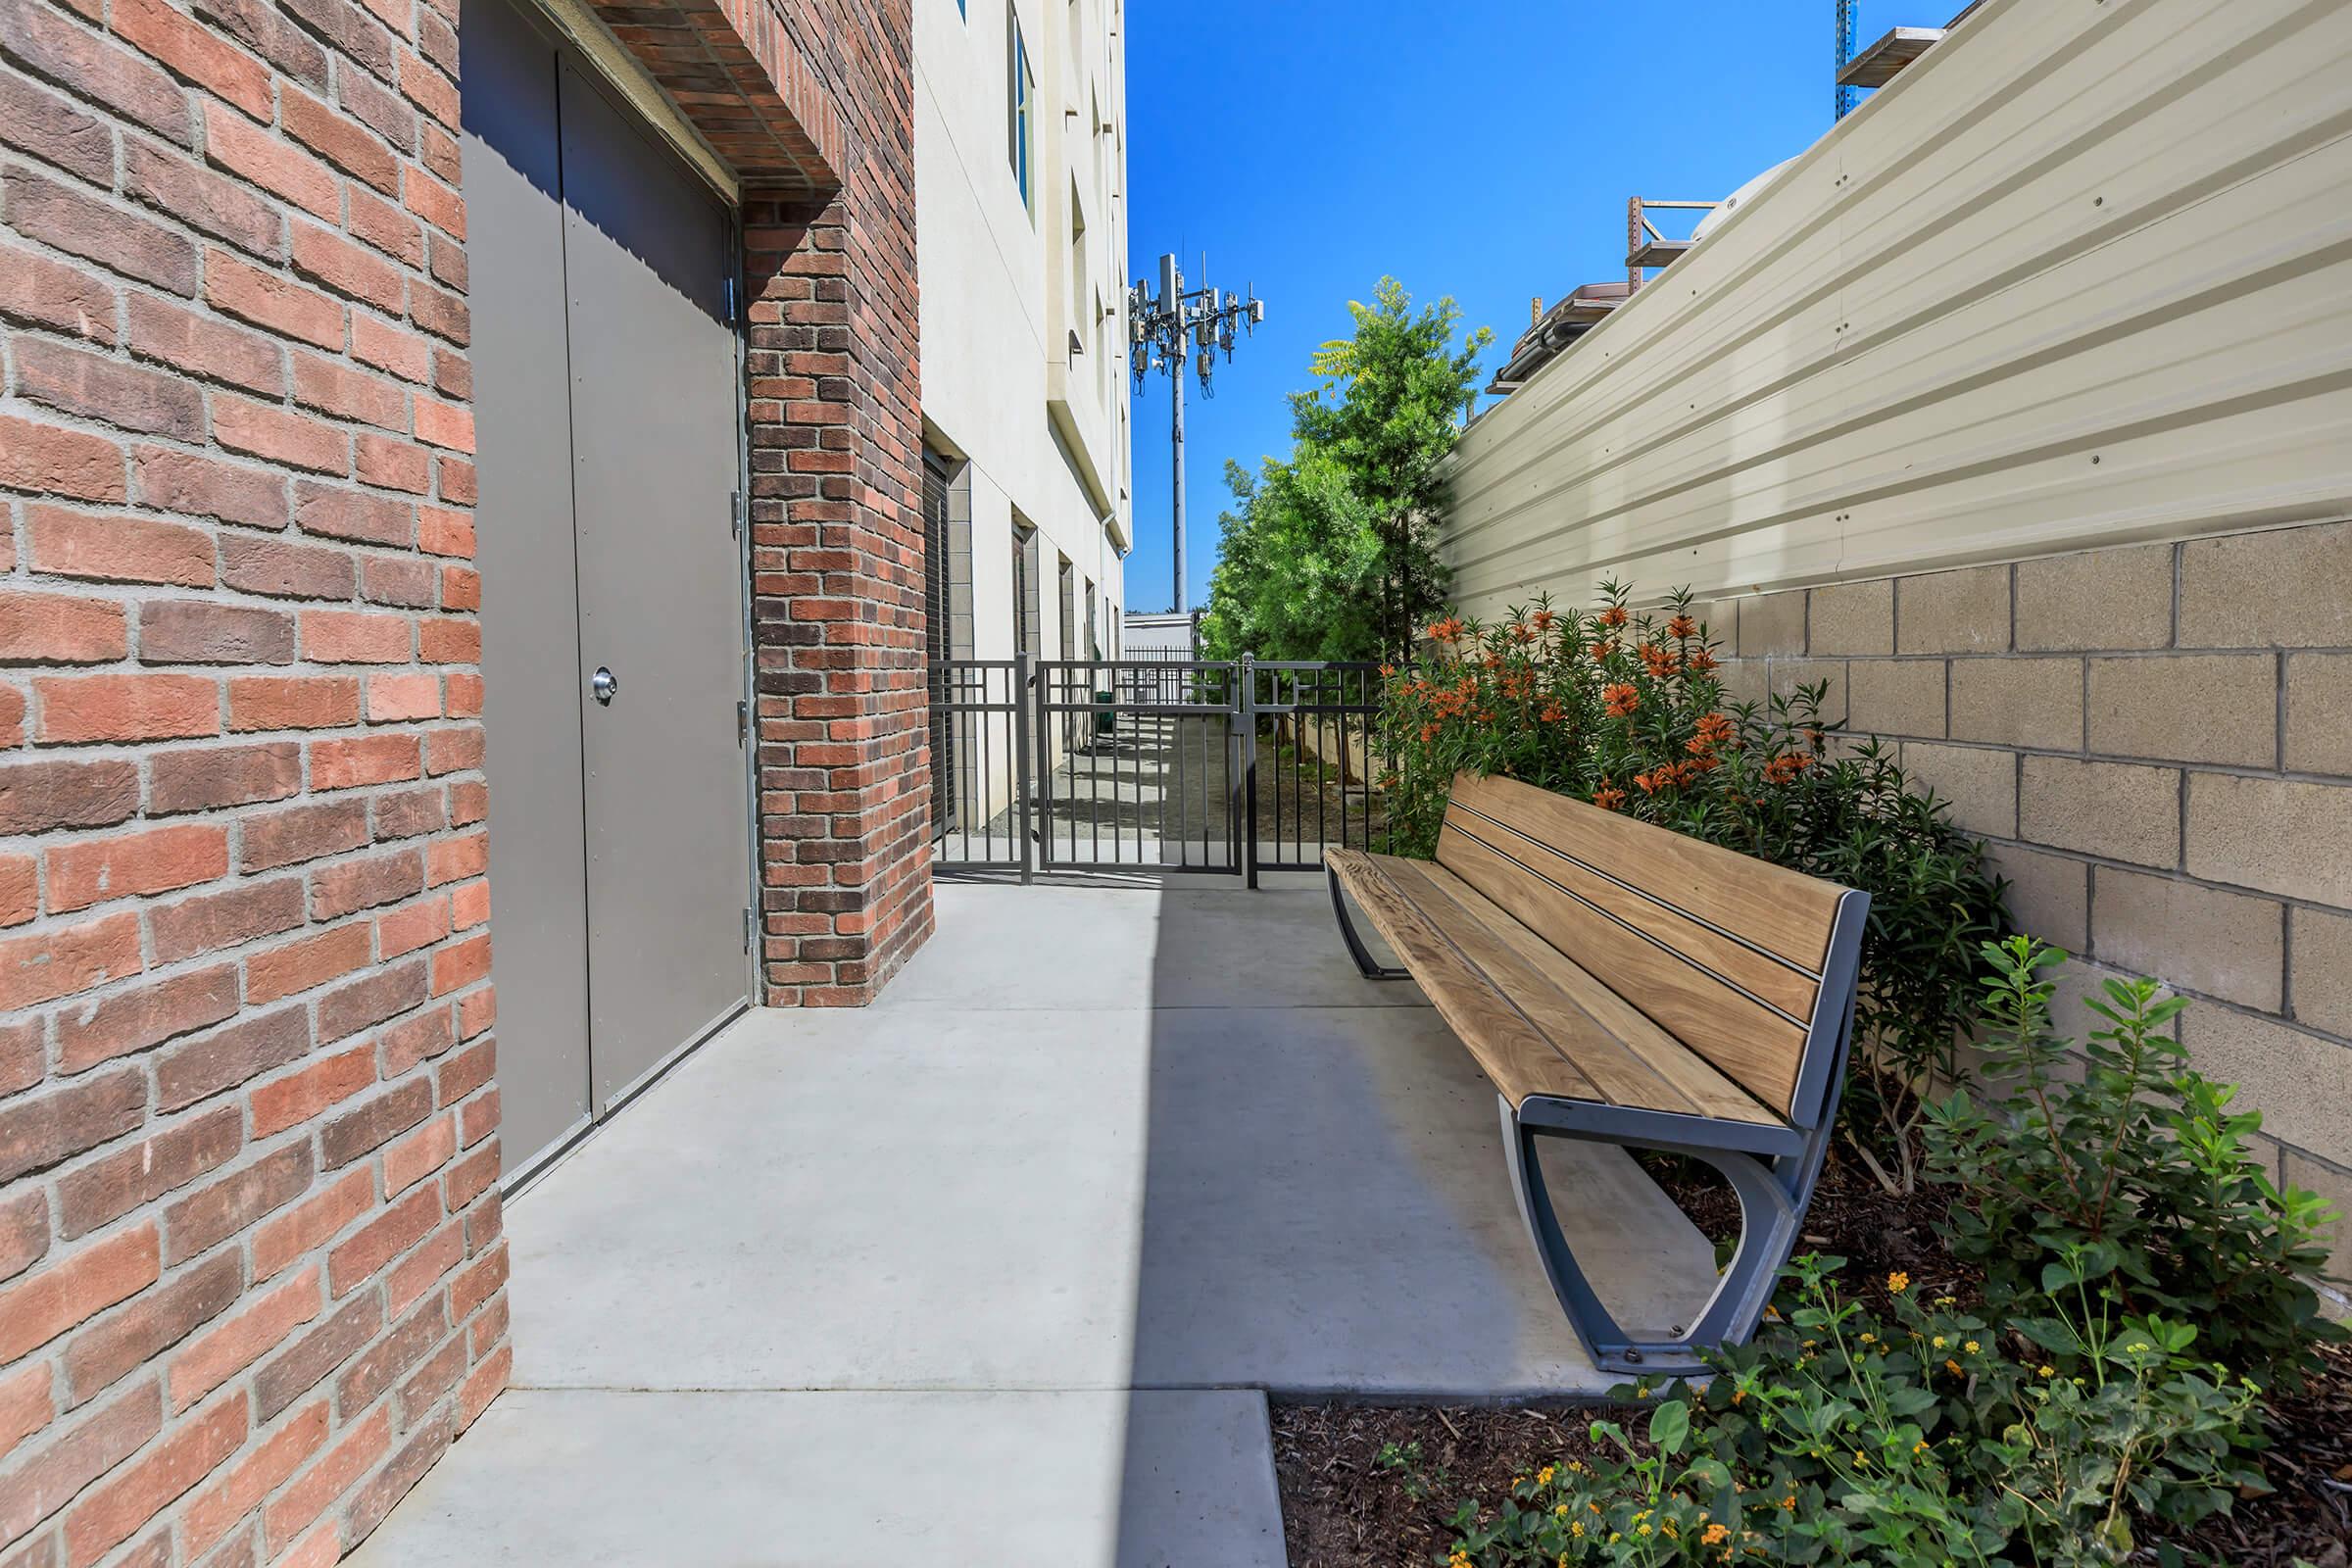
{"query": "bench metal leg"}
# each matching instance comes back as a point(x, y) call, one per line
point(1372, 969)
point(1769, 1220)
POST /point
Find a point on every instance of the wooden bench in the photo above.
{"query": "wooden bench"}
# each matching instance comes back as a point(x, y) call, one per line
point(1623, 984)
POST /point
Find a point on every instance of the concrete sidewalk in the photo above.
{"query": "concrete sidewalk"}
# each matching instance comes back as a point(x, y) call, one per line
point(1009, 1262)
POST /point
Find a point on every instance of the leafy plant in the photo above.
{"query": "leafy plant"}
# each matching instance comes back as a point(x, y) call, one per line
point(2140, 1165)
point(1332, 553)
point(1628, 710)
point(1930, 1440)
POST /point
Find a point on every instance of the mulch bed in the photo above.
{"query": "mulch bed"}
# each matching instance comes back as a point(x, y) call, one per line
point(1342, 1509)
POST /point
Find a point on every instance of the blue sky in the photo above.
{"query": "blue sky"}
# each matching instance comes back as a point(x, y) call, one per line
point(1478, 148)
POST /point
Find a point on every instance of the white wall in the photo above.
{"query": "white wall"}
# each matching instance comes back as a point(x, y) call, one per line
point(1044, 432)
point(2082, 276)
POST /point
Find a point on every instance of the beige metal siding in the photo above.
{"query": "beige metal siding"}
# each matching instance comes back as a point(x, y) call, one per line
point(2082, 276)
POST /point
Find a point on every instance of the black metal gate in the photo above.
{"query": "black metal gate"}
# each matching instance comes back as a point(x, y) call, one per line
point(1205, 765)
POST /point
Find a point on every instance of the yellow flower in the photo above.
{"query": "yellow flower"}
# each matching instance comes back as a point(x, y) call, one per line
point(2045, 1371)
point(1939, 1341)
point(1576, 1530)
point(1918, 1448)
point(1970, 1347)
point(2138, 1347)
point(1869, 1338)
point(1543, 1476)
point(1560, 1510)
point(1898, 1282)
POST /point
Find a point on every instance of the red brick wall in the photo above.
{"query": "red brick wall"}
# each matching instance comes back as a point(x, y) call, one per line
point(837, 537)
point(251, 1281)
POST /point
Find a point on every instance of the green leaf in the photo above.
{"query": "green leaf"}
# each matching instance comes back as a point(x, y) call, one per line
point(1670, 1426)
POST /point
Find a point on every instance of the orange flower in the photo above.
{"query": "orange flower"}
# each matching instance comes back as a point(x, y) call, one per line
point(1715, 728)
point(1608, 798)
point(1604, 648)
point(1620, 697)
point(1429, 732)
point(1785, 767)
point(1652, 782)
point(1699, 661)
point(1614, 615)
point(1522, 632)
point(1388, 671)
point(1449, 630)
point(1552, 711)
point(1681, 626)
point(1660, 660)
point(1543, 619)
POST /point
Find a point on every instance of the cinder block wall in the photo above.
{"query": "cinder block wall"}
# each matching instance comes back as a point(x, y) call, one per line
point(2157, 742)
point(251, 1275)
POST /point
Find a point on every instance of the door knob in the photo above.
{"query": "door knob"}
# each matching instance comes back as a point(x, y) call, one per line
point(603, 684)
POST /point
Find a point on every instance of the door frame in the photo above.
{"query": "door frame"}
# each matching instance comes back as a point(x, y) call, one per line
point(739, 317)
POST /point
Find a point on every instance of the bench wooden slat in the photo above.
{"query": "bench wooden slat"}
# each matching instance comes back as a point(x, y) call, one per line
point(1747, 1041)
point(1762, 976)
point(1517, 1057)
point(1780, 910)
point(1629, 1059)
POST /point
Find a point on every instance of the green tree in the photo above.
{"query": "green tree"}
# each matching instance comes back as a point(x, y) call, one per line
point(1332, 553)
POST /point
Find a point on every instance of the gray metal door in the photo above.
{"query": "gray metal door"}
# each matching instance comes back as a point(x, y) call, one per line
point(606, 385)
point(654, 441)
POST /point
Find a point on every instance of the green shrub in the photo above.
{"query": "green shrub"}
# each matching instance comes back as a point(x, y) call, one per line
point(2139, 1165)
point(1627, 710)
point(1932, 1440)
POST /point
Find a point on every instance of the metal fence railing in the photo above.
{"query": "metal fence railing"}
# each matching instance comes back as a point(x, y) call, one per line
point(1313, 775)
point(1225, 766)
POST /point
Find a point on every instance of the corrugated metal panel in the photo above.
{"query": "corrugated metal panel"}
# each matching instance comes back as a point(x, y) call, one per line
point(2082, 276)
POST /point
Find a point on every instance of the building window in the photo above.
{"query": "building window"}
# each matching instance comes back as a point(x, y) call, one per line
point(939, 642)
point(1028, 623)
point(1070, 608)
point(1023, 118)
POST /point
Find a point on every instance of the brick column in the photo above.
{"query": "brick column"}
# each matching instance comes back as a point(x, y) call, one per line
point(251, 1272)
point(837, 551)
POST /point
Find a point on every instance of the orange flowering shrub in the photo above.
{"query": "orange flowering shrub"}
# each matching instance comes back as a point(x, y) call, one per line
point(1627, 710)
point(1623, 709)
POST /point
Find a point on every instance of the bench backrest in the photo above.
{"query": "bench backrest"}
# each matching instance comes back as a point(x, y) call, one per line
point(1725, 952)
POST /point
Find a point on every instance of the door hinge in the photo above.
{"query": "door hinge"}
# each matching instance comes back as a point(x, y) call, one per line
point(747, 928)
point(743, 721)
point(735, 512)
point(730, 281)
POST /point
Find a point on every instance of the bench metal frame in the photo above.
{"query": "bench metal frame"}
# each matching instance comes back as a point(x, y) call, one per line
point(1772, 1169)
